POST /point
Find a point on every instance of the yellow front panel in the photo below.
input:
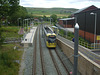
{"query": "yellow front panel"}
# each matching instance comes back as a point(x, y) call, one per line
point(51, 45)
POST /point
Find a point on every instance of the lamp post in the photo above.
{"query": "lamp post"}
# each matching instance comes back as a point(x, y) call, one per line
point(42, 26)
point(76, 37)
point(95, 26)
point(23, 23)
point(26, 24)
point(19, 22)
point(50, 20)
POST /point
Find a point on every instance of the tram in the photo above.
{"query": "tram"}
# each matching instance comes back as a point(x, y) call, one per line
point(50, 37)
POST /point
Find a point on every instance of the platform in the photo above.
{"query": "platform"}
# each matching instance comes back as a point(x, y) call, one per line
point(28, 39)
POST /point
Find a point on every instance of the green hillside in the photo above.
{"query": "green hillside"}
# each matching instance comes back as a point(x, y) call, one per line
point(48, 11)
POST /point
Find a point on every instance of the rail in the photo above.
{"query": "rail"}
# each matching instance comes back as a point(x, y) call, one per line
point(55, 63)
point(62, 62)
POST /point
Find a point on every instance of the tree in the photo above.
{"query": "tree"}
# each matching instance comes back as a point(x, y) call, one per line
point(21, 13)
point(44, 18)
point(7, 8)
point(54, 17)
point(4, 8)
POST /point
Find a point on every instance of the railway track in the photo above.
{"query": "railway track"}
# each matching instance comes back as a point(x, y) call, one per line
point(55, 63)
point(62, 62)
point(34, 59)
point(41, 54)
point(56, 66)
point(41, 60)
point(35, 55)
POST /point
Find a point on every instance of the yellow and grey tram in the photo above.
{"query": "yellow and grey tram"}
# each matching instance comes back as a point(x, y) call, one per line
point(50, 37)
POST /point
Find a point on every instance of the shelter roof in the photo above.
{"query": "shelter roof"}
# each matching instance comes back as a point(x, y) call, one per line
point(67, 18)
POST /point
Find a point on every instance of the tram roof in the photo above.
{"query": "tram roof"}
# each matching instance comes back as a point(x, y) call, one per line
point(51, 34)
point(54, 26)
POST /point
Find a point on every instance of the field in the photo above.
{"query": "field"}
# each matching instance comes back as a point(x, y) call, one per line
point(60, 12)
point(58, 15)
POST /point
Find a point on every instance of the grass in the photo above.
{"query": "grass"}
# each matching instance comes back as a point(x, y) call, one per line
point(49, 11)
point(10, 31)
point(8, 55)
point(60, 12)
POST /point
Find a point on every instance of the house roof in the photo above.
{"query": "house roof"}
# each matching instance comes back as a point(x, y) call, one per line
point(92, 7)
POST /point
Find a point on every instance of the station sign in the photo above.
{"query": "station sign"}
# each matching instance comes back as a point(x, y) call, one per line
point(98, 37)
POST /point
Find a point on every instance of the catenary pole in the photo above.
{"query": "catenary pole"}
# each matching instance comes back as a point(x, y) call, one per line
point(76, 36)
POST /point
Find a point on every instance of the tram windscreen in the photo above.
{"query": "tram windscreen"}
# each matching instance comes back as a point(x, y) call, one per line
point(52, 39)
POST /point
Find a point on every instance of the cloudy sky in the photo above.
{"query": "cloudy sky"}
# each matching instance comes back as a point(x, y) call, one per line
point(60, 3)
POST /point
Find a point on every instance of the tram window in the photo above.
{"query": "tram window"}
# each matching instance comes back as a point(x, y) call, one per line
point(53, 37)
point(46, 38)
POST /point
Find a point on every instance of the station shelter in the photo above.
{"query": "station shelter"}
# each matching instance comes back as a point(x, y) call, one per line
point(67, 22)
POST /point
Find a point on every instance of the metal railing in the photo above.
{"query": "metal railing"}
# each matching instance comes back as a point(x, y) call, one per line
point(97, 45)
point(91, 55)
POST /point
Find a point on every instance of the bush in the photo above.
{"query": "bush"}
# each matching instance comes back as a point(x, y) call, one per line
point(7, 58)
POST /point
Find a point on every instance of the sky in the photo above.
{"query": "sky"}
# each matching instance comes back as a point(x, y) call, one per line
point(79, 4)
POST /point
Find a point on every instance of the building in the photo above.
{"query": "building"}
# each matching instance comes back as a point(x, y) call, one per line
point(92, 7)
point(67, 22)
point(86, 22)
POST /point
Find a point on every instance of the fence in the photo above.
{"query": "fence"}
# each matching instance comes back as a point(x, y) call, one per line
point(97, 45)
point(91, 55)
point(90, 46)
point(70, 35)
point(12, 40)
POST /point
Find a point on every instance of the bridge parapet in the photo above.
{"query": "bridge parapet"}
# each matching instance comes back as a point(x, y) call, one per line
point(86, 64)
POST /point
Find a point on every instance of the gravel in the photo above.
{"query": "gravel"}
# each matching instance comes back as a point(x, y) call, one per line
point(27, 60)
point(66, 60)
point(38, 58)
point(60, 65)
